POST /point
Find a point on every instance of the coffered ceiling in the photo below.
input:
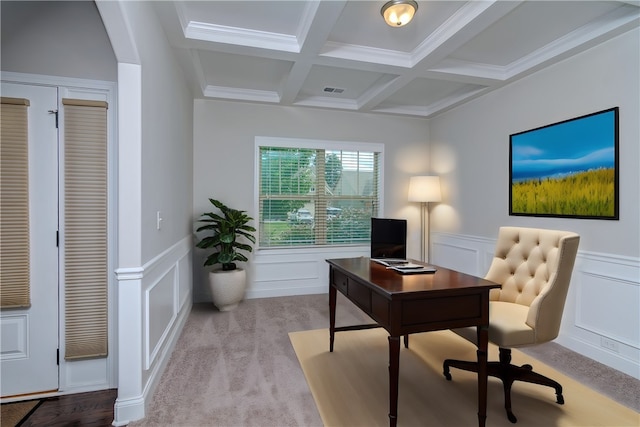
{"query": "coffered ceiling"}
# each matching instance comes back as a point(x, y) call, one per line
point(340, 54)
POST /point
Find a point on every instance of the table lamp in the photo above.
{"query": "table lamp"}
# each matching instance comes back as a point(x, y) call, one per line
point(424, 189)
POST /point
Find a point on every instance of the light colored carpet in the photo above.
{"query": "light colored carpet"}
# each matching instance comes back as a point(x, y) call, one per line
point(239, 368)
point(350, 385)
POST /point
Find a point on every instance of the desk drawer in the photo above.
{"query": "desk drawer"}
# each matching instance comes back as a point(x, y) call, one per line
point(340, 281)
point(361, 295)
point(379, 308)
point(461, 309)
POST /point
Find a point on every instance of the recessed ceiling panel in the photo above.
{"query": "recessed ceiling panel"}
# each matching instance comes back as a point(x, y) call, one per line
point(280, 17)
point(238, 71)
point(424, 92)
point(340, 54)
point(353, 81)
point(361, 24)
point(531, 26)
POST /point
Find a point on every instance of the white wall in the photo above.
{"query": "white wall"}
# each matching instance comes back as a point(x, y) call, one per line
point(56, 39)
point(470, 149)
point(470, 145)
point(224, 134)
point(155, 176)
point(167, 141)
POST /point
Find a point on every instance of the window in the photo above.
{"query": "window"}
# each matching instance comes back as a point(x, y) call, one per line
point(15, 280)
point(85, 229)
point(316, 193)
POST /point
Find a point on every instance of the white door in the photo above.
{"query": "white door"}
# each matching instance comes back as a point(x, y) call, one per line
point(28, 354)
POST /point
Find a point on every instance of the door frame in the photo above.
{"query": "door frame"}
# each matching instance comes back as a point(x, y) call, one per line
point(80, 376)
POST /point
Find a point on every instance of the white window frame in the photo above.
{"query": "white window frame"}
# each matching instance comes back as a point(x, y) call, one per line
point(303, 143)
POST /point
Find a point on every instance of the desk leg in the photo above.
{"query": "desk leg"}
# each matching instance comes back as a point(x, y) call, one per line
point(394, 369)
point(483, 339)
point(332, 316)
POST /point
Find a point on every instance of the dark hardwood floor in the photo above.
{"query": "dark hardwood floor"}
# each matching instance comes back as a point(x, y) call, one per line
point(93, 409)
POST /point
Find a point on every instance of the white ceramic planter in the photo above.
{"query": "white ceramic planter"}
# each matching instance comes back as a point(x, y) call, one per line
point(227, 288)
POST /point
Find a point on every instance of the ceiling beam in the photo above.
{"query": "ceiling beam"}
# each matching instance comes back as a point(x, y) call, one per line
point(469, 21)
point(322, 20)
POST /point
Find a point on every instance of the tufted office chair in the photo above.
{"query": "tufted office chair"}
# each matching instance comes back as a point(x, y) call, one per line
point(534, 268)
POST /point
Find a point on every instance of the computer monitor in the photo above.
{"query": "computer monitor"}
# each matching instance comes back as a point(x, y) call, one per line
point(388, 238)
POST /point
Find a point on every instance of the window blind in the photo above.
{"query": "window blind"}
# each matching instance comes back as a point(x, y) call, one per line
point(85, 228)
point(315, 197)
point(14, 205)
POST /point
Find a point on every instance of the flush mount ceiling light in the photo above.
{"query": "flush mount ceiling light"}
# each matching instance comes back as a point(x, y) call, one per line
point(398, 13)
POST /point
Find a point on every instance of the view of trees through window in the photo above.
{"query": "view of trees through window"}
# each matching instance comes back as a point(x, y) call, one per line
point(312, 197)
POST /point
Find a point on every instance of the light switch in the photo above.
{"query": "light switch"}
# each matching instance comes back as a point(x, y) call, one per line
point(158, 220)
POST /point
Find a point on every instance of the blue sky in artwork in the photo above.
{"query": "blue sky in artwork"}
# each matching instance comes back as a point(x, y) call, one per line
point(565, 148)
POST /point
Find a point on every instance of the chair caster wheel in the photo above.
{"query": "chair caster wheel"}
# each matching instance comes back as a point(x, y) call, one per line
point(559, 399)
point(447, 375)
point(512, 417)
point(527, 367)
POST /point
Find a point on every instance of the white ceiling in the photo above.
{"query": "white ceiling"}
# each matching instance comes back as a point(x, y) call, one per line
point(288, 52)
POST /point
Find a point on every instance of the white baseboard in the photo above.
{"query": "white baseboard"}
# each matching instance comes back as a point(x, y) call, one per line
point(274, 292)
point(127, 410)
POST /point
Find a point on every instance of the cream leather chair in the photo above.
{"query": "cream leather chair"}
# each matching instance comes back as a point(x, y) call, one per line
point(534, 268)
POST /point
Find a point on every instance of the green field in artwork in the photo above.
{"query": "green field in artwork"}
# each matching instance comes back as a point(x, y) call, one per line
point(589, 193)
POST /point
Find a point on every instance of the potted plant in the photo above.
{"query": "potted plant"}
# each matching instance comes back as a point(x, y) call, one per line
point(229, 282)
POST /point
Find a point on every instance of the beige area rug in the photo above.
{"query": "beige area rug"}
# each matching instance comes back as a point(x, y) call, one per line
point(11, 414)
point(350, 385)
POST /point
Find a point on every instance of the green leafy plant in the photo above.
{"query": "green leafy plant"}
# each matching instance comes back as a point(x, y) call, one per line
point(226, 229)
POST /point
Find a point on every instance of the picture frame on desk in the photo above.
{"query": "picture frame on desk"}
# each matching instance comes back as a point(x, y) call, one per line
point(567, 169)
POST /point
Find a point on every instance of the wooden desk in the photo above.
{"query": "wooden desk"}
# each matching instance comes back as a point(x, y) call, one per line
point(407, 304)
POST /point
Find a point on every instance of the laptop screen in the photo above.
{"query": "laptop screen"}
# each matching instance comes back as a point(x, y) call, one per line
point(388, 238)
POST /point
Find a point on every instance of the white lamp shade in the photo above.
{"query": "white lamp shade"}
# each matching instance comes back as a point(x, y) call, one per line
point(424, 189)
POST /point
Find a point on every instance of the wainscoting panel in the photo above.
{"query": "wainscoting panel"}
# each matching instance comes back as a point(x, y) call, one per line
point(160, 296)
point(469, 254)
point(287, 270)
point(154, 302)
point(185, 280)
point(301, 272)
point(600, 318)
point(598, 303)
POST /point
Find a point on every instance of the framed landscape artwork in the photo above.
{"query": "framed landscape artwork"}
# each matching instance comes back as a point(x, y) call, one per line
point(566, 169)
